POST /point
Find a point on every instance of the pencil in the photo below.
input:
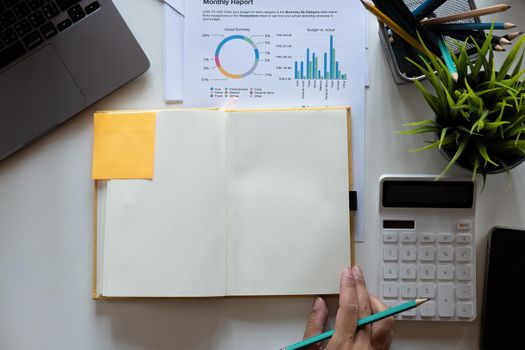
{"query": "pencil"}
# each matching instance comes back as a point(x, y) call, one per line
point(482, 36)
point(362, 322)
point(476, 36)
point(426, 8)
point(467, 14)
point(496, 40)
point(472, 26)
point(398, 11)
point(512, 36)
point(396, 28)
point(448, 58)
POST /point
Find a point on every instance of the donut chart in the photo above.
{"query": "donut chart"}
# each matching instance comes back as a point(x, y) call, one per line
point(229, 39)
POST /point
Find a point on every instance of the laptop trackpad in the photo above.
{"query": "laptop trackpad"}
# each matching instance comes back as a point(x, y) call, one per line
point(36, 94)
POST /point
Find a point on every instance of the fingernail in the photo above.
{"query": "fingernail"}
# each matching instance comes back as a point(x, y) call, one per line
point(357, 270)
point(317, 303)
point(348, 273)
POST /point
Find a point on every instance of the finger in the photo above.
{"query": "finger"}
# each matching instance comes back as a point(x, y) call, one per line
point(381, 330)
point(362, 340)
point(346, 318)
point(317, 321)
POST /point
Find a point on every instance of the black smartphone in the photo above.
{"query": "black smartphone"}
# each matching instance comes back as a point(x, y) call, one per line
point(503, 308)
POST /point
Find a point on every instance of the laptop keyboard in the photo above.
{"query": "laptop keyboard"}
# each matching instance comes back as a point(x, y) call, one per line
point(27, 24)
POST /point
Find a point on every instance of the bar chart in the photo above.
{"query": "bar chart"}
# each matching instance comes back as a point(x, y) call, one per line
point(310, 68)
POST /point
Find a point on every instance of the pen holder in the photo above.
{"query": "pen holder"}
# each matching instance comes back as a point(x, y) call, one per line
point(402, 70)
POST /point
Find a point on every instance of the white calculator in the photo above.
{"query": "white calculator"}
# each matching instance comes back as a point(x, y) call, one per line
point(427, 245)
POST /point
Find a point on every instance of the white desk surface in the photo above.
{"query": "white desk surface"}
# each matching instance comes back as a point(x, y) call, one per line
point(46, 230)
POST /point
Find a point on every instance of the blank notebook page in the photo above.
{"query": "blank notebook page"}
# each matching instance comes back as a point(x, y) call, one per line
point(287, 204)
point(167, 236)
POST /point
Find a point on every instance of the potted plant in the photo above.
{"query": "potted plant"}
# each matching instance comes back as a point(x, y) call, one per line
point(480, 118)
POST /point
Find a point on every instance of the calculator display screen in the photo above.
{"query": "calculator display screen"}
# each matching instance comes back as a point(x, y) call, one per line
point(399, 224)
point(428, 194)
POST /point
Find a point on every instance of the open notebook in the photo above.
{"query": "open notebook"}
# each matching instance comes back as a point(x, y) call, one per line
point(240, 203)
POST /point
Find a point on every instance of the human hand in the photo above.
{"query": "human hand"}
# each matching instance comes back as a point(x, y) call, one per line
point(354, 304)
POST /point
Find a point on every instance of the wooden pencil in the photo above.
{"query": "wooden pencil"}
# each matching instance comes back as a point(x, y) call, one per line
point(481, 35)
point(360, 323)
point(512, 36)
point(467, 14)
point(398, 11)
point(426, 8)
point(449, 62)
point(471, 26)
point(478, 37)
point(394, 26)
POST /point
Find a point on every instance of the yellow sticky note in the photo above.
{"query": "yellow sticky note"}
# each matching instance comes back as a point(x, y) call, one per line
point(124, 146)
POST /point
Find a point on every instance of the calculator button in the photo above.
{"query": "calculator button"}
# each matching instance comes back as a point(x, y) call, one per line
point(409, 313)
point(427, 290)
point(464, 272)
point(427, 237)
point(390, 289)
point(407, 272)
point(465, 310)
point(446, 300)
point(464, 254)
point(445, 253)
point(445, 238)
point(390, 237)
point(464, 291)
point(464, 225)
point(426, 253)
point(408, 253)
point(463, 238)
point(427, 272)
point(428, 309)
point(391, 303)
point(445, 272)
point(408, 238)
point(390, 253)
point(408, 290)
point(390, 272)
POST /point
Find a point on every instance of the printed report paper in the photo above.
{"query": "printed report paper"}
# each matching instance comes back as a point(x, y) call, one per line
point(273, 53)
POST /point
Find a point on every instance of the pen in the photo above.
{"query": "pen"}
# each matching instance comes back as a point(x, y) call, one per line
point(362, 322)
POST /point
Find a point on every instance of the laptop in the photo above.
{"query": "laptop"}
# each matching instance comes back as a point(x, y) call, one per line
point(57, 57)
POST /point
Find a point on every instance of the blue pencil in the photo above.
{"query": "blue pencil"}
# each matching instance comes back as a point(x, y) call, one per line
point(362, 322)
point(448, 58)
point(426, 8)
point(471, 26)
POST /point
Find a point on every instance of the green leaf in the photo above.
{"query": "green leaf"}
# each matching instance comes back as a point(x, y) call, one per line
point(420, 130)
point(432, 100)
point(420, 122)
point(442, 137)
point(458, 154)
point(482, 53)
point(475, 168)
point(483, 152)
point(509, 60)
point(432, 145)
point(467, 131)
point(429, 74)
point(480, 123)
point(518, 65)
